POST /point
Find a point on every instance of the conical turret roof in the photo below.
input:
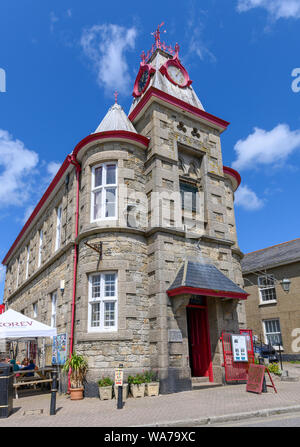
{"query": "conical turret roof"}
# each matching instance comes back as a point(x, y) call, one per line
point(115, 119)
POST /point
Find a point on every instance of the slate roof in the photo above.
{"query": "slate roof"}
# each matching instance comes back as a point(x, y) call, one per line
point(160, 82)
point(202, 275)
point(286, 252)
point(115, 119)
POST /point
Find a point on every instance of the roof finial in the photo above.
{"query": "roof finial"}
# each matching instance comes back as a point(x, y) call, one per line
point(156, 35)
point(116, 97)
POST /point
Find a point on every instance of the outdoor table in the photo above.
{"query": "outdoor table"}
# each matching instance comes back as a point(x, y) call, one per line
point(41, 375)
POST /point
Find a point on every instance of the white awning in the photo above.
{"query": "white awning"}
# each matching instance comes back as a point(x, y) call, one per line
point(16, 325)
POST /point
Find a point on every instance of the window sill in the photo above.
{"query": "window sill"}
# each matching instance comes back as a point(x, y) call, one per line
point(102, 336)
point(267, 303)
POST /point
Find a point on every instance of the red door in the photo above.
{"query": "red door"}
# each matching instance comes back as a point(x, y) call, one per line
point(199, 342)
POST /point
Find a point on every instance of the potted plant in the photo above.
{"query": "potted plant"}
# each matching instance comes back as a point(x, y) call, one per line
point(137, 385)
point(105, 388)
point(152, 383)
point(77, 366)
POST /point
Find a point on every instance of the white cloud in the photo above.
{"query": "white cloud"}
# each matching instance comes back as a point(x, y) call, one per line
point(276, 9)
point(2, 273)
point(266, 147)
point(53, 20)
point(105, 45)
point(195, 35)
point(27, 213)
point(247, 199)
point(52, 169)
point(16, 165)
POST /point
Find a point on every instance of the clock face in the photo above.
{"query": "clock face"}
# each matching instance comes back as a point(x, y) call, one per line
point(143, 80)
point(176, 75)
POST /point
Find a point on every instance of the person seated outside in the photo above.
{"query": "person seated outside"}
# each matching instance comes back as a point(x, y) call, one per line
point(31, 366)
point(25, 362)
point(14, 364)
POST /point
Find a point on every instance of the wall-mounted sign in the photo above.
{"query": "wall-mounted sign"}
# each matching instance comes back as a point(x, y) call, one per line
point(239, 348)
point(174, 336)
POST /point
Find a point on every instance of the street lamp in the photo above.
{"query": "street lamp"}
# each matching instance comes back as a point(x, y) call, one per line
point(286, 284)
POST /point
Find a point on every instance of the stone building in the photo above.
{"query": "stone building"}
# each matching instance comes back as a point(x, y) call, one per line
point(272, 280)
point(132, 250)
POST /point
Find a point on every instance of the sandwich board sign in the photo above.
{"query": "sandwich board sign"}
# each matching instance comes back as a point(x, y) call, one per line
point(256, 375)
point(239, 348)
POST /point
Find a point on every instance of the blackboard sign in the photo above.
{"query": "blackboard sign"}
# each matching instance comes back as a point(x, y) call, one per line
point(255, 378)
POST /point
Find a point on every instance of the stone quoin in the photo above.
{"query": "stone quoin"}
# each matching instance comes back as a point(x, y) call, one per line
point(139, 224)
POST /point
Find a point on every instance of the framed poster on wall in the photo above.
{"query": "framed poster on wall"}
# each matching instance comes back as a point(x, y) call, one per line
point(59, 349)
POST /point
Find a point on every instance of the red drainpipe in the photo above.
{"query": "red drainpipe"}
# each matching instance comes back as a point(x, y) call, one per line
point(73, 161)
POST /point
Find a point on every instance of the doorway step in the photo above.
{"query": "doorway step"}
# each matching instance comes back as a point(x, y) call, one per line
point(201, 383)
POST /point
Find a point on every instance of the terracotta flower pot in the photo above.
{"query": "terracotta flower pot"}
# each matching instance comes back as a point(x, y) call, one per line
point(76, 393)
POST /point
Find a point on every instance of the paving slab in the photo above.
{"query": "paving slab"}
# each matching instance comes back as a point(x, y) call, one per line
point(189, 408)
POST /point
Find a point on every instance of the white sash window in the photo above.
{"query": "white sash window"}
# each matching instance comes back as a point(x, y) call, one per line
point(103, 302)
point(40, 248)
point(104, 192)
point(58, 227)
point(53, 309)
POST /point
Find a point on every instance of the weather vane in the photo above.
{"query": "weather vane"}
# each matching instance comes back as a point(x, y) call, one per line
point(116, 97)
point(156, 35)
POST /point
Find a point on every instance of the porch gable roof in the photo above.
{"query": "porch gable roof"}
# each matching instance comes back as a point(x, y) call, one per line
point(202, 278)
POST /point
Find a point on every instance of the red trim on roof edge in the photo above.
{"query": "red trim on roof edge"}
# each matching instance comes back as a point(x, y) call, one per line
point(207, 292)
point(233, 173)
point(178, 103)
point(50, 188)
point(122, 134)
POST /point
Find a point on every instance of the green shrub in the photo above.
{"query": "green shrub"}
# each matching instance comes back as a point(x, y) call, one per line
point(136, 380)
point(274, 368)
point(105, 381)
point(150, 376)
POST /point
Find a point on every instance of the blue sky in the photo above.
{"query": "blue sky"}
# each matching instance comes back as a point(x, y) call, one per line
point(64, 59)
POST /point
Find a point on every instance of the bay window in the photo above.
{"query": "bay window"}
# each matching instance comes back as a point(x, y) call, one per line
point(104, 192)
point(102, 310)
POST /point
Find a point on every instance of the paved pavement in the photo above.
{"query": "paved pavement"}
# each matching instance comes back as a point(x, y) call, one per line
point(190, 408)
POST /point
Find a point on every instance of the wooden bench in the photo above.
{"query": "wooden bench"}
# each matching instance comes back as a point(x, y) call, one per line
point(33, 380)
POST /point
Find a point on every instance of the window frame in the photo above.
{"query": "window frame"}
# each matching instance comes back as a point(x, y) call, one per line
point(35, 309)
point(102, 300)
point(272, 333)
point(53, 308)
point(186, 187)
point(268, 287)
point(27, 261)
point(58, 227)
point(104, 187)
point(41, 235)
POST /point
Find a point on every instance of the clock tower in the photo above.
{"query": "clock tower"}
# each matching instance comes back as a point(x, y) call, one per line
point(192, 240)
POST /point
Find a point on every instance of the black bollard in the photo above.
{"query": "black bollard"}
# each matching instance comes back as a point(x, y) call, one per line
point(53, 394)
point(120, 398)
